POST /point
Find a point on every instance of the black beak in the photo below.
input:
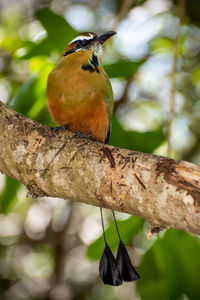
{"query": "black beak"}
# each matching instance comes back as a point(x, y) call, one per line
point(104, 36)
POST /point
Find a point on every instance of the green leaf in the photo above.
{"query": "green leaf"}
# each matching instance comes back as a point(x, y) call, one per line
point(122, 68)
point(171, 268)
point(56, 26)
point(9, 193)
point(59, 34)
point(133, 140)
point(31, 100)
point(162, 44)
point(128, 229)
point(45, 47)
point(44, 117)
point(25, 97)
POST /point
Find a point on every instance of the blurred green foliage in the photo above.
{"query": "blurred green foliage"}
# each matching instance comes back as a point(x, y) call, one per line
point(134, 140)
point(168, 266)
point(122, 68)
point(171, 267)
point(59, 34)
point(9, 193)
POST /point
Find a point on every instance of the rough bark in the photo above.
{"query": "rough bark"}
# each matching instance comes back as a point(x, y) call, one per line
point(61, 164)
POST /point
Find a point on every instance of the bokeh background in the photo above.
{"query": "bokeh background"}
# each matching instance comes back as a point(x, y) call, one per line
point(50, 248)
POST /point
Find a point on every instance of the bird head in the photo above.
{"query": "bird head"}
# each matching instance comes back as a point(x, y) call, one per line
point(88, 41)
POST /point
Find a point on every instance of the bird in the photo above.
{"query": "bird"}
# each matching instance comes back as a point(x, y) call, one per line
point(79, 92)
point(80, 99)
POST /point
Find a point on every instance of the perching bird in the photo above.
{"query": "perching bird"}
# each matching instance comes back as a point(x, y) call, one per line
point(80, 98)
point(79, 92)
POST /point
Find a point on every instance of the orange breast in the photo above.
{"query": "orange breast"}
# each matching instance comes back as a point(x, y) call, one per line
point(89, 119)
point(76, 99)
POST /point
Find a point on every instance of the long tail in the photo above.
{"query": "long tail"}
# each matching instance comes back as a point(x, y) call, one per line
point(108, 265)
point(115, 271)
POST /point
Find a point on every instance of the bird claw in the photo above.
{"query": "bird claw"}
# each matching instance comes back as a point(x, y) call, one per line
point(83, 135)
point(58, 128)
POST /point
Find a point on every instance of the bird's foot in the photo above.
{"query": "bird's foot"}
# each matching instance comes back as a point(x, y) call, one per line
point(83, 135)
point(58, 128)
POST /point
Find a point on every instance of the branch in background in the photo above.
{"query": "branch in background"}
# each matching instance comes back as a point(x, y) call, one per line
point(181, 8)
point(125, 7)
point(60, 164)
point(60, 249)
point(189, 155)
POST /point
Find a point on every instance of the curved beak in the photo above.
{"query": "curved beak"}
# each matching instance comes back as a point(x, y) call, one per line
point(104, 36)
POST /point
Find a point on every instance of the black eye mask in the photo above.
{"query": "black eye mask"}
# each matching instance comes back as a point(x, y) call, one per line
point(80, 44)
point(84, 43)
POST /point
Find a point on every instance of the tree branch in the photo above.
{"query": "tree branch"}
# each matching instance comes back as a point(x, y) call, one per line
point(60, 164)
point(181, 10)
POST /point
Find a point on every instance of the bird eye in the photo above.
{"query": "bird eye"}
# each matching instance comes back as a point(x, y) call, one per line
point(84, 43)
point(79, 44)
